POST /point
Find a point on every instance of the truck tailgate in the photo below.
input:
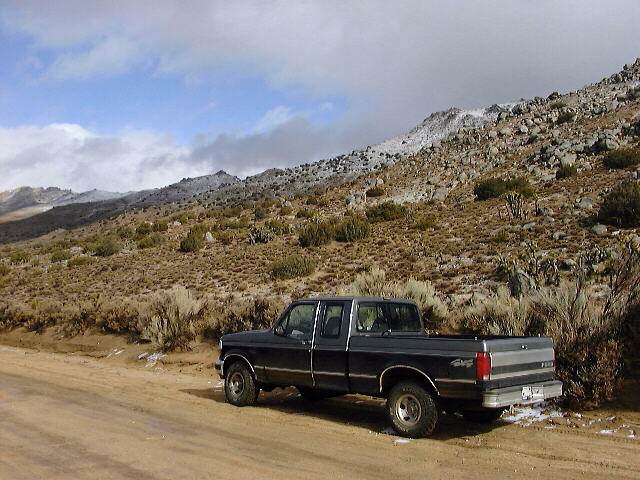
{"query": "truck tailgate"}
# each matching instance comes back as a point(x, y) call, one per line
point(520, 360)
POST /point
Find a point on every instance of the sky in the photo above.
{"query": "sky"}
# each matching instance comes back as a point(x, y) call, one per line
point(126, 95)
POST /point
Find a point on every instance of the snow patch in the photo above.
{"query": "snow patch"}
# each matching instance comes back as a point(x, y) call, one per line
point(528, 415)
point(153, 359)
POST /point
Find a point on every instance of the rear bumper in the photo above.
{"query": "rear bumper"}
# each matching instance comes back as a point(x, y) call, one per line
point(503, 397)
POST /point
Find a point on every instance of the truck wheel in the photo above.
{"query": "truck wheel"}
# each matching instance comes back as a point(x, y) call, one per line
point(240, 387)
point(486, 415)
point(412, 411)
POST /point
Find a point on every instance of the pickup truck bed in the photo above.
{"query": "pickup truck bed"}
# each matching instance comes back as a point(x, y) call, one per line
point(338, 345)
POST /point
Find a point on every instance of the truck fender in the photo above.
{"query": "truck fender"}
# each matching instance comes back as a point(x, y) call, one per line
point(408, 367)
point(235, 354)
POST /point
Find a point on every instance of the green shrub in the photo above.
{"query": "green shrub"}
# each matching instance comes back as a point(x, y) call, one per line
point(161, 226)
point(19, 256)
point(4, 270)
point(285, 210)
point(375, 192)
point(124, 232)
point(315, 234)
point(278, 227)
point(621, 207)
point(60, 255)
point(151, 241)
point(225, 237)
point(306, 213)
point(352, 229)
point(191, 243)
point(385, 212)
point(79, 261)
point(565, 172)
point(199, 229)
point(260, 213)
point(260, 234)
point(425, 223)
point(106, 247)
point(496, 187)
point(520, 185)
point(144, 229)
point(292, 266)
point(622, 158)
point(501, 237)
point(557, 105)
point(566, 117)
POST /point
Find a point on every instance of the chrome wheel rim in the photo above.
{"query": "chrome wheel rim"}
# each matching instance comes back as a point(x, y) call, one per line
point(236, 384)
point(408, 409)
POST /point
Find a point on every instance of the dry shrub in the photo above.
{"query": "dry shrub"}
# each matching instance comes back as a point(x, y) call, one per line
point(256, 314)
point(11, 316)
point(592, 335)
point(45, 316)
point(84, 318)
point(374, 283)
point(176, 318)
point(120, 318)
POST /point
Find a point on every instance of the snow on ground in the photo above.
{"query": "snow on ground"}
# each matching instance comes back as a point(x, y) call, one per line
point(153, 359)
point(530, 414)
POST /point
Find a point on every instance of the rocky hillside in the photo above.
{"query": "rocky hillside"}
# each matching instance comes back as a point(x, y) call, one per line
point(27, 197)
point(69, 210)
point(442, 156)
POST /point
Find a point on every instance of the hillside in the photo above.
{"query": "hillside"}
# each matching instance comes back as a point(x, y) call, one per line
point(544, 198)
point(437, 182)
point(228, 189)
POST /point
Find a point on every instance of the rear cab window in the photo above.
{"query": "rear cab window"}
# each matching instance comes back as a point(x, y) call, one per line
point(392, 317)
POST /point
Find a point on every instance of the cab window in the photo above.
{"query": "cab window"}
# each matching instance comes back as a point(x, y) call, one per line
point(371, 318)
point(404, 318)
point(331, 321)
point(298, 323)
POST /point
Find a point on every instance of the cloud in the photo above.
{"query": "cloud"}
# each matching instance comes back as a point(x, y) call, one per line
point(390, 63)
point(274, 117)
point(70, 156)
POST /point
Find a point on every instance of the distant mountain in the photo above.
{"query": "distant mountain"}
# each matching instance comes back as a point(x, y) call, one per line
point(65, 209)
point(28, 197)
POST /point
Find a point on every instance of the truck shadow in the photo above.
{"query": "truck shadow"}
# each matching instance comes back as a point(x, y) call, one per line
point(355, 410)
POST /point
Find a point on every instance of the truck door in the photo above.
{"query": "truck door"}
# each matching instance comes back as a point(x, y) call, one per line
point(288, 356)
point(329, 355)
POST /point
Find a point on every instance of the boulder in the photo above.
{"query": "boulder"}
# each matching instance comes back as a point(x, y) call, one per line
point(208, 237)
point(440, 194)
point(599, 229)
point(585, 203)
point(521, 283)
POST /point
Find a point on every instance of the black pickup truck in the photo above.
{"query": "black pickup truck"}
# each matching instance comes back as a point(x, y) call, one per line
point(377, 346)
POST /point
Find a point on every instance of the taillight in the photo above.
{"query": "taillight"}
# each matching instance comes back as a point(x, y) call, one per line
point(483, 366)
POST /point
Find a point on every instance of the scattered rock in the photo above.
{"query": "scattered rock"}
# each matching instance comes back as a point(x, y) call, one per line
point(599, 229)
point(520, 283)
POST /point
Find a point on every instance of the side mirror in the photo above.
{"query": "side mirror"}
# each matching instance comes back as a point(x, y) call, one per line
point(279, 330)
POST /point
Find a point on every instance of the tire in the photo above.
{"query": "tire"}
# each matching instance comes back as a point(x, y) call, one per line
point(485, 415)
point(314, 394)
point(412, 410)
point(240, 387)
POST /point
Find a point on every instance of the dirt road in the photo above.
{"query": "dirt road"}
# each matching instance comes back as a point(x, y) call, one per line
point(66, 416)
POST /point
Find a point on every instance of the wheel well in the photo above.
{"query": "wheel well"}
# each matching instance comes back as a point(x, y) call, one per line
point(232, 358)
point(394, 375)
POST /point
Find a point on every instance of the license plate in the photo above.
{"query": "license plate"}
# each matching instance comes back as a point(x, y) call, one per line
point(533, 392)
